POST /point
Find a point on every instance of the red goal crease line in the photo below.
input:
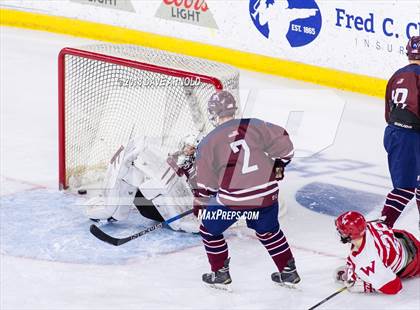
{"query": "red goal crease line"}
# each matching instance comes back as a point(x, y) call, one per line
point(113, 60)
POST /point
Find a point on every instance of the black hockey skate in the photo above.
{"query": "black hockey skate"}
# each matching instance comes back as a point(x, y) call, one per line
point(220, 279)
point(109, 220)
point(288, 276)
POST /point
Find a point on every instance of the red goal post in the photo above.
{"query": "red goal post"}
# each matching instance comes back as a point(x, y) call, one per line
point(97, 67)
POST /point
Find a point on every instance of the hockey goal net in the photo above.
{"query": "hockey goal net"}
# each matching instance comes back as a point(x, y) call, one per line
point(111, 93)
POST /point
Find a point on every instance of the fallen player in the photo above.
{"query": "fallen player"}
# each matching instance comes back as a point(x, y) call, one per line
point(379, 256)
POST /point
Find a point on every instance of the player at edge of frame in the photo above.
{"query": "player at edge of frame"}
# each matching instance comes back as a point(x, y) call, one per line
point(402, 135)
point(379, 256)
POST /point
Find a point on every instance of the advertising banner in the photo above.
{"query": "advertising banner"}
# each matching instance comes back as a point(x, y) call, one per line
point(360, 37)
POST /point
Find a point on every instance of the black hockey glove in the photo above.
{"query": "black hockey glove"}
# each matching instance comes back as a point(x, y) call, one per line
point(279, 165)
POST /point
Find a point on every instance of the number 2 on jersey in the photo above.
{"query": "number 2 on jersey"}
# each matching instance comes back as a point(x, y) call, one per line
point(246, 168)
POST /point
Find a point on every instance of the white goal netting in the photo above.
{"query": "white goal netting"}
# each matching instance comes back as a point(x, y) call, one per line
point(111, 93)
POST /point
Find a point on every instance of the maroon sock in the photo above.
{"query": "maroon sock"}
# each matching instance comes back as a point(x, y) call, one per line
point(277, 246)
point(395, 203)
point(216, 248)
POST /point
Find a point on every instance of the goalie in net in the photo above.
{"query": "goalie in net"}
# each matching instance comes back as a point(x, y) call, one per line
point(110, 94)
point(158, 187)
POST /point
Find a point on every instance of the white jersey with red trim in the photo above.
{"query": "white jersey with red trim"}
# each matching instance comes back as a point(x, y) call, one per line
point(380, 257)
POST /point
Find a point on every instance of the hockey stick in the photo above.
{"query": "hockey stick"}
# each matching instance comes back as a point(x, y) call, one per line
point(328, 298)
point(101, 235)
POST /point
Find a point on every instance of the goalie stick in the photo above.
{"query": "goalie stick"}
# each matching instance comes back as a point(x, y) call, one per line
point(101, 235)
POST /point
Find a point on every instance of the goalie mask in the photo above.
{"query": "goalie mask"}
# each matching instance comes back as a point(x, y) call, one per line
point(187, 147)
point(221, 104)
point(350, 226)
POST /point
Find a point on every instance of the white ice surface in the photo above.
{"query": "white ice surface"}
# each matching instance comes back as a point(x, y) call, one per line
point(172, 280)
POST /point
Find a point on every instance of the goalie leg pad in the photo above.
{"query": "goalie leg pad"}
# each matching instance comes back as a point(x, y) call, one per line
point(97, 209)
point(115, 204)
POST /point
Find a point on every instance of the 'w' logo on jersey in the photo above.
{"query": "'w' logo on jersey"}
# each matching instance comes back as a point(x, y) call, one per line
point(369, 269)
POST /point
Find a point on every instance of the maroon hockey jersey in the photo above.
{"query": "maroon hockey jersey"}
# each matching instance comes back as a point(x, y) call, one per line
point(235, 162)
point(402, 106)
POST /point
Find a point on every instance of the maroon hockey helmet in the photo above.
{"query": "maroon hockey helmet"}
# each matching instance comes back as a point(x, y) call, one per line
point(350, 225)
point(221, 104)
point(413, 48)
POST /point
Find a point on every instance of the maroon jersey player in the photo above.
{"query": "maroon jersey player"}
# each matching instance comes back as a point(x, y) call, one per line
point(239, 165)
point(402, 135)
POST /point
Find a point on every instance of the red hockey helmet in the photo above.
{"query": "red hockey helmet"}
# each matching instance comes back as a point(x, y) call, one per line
point(350, 225)
point(221, 104)
point(413, 48)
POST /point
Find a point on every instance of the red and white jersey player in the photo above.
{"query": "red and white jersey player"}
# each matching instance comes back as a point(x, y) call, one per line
point(379, 256)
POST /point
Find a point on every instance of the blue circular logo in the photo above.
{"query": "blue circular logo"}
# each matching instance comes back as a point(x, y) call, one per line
point(297, 21)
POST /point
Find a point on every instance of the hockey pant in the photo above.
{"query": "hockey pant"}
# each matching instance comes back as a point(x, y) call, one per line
point(412, 245)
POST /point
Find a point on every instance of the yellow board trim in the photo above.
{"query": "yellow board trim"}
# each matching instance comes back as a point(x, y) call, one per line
point(289, 69)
